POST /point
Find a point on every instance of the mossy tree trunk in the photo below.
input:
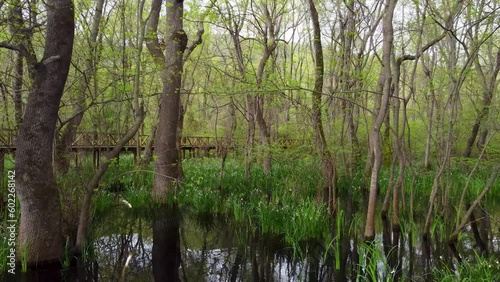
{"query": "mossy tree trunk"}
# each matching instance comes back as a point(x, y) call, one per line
point(328, 168)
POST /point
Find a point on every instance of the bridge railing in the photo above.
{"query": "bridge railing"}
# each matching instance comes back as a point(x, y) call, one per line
point(96, 140)
point(7, 137)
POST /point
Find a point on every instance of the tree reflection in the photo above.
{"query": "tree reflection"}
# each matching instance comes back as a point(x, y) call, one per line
point(166, 244)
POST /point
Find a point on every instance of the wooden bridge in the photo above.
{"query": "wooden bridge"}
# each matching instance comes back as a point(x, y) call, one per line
point(191, 146)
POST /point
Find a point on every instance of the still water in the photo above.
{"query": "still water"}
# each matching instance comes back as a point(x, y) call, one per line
point(170, 245)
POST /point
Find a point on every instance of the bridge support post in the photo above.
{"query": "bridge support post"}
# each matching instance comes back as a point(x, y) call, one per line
point(95, 157)
point(117, 157)
point(76, 159)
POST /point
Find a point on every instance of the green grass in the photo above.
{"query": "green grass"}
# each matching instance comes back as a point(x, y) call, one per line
point(369, 258)
point(283, 203)
point(478, 269)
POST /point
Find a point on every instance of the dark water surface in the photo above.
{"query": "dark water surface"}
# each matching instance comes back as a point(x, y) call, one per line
point(166, 246)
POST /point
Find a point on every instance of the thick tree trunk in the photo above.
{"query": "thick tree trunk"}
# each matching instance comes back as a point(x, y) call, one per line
point(40, 224)
point(180, 127)
point(167, 164)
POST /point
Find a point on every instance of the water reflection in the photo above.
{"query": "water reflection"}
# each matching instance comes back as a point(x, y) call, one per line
point(177, 249)
point(55, 272)
point(166, 244)
point(162, 245)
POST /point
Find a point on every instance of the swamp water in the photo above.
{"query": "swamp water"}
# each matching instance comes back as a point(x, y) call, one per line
point(135, 247)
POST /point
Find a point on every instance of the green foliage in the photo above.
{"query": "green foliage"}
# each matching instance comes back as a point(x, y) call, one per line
point(372, 261)
point(478, 269)
point(24, 258)
point(281, 203)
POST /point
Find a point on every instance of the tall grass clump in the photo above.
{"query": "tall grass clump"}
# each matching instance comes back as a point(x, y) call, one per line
point(4, 252)
point(373, 263)
point(281, 203)
point(481, 269)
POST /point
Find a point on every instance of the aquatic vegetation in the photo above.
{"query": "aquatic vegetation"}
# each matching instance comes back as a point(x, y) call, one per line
point(283, 205)
point(479, 269)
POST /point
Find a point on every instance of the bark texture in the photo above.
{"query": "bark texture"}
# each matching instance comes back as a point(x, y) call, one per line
point(167, 163)
point(40, 223)
point(328, 169)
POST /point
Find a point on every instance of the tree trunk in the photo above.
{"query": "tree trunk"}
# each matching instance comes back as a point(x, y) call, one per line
point(166, 244)
point(489, 88)
point(250, 140)
point(148, 151)
point(348, 84)
point(270, 45)
point(18, 91)
point(137, 76)
point(234, 29)
point(19, 36)
point(167, 164)
point(180, 127)
point(428, 70)
point(40, 223)
point(428, 139)
point(68, 133)
point(374, 137)
point(264, 134)
point(328, 168)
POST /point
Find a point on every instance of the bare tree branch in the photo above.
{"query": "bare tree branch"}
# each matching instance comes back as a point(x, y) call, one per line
point(22, 50)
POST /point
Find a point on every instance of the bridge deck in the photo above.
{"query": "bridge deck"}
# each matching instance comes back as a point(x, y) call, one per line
point(91, 141)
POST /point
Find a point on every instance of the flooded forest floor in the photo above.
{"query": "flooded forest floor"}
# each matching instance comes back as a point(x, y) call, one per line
point(223, 227)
